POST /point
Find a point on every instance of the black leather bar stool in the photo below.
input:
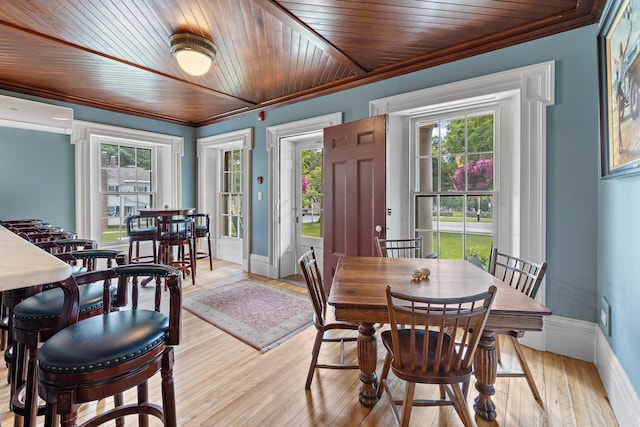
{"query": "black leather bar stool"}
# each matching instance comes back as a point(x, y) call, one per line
point(128, 347)
point(202, 230)
point(38, 317)
point(141, 229)
point(175, 244)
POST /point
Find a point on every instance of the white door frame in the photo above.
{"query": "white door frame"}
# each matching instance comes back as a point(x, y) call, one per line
point(275, 135)
point(302, 243)
point(209, 164)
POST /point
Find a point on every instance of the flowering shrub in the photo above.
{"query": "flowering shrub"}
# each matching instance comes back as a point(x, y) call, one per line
point(305, 184)
point(479, 175)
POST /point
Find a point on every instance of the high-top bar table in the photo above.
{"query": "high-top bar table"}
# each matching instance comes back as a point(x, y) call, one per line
point(358, 295)
point(24, 264)
point(166, 212)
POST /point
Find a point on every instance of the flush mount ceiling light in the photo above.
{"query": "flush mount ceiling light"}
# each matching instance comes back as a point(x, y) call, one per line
point(193, 53)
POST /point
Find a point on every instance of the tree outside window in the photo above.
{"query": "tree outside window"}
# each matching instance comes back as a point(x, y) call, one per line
point(311, 198)
point(454, 193)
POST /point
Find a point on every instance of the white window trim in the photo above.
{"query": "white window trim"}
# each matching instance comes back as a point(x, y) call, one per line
point(208, 177)
point(535, 86)
point(86, 137)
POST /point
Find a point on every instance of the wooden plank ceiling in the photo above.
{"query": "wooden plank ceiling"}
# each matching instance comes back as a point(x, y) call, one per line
point(115, 54)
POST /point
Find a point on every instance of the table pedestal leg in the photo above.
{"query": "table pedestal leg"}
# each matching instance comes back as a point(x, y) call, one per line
point(367, 359)
point(485, 366)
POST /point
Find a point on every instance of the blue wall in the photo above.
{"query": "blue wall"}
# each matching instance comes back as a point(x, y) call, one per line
point(619, 268)
point(572, 152)
point(592, 240)
point(37, 177)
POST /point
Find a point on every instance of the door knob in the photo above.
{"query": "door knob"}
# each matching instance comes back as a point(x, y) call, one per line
point(378, 228)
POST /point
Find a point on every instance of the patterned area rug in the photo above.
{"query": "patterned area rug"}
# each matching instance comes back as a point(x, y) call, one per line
point(259, 314)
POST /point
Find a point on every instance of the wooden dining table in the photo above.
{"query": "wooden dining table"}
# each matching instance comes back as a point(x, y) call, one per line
point(166, 212)
point(358, 295)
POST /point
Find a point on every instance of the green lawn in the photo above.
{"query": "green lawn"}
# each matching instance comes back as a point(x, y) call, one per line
point(478, 246)
point(113, 233)
point(311, 229)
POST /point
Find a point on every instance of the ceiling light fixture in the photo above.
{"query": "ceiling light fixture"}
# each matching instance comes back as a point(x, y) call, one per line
point(193, 53)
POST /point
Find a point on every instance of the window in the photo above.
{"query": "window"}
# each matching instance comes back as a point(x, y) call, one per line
point(231, 209)
point(453, 193)
point(118, 171)
point(522, 95)
point(126, 182)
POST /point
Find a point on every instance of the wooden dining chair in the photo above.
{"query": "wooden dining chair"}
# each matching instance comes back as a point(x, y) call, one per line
point(475, 261)
point(127, 347)
point(525, 276)
point(433, 341)
point(328, 329)
point(399, 248)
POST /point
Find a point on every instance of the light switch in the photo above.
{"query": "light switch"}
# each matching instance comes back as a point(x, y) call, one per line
point(259, 195)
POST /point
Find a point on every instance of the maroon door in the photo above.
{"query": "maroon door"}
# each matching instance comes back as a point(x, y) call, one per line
point(354, 185)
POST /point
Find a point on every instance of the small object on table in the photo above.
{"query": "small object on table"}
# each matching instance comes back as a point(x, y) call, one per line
point(425, 273)
point(417, 275)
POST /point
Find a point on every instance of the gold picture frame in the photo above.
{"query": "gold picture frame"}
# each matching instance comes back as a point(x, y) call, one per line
point(619, 62)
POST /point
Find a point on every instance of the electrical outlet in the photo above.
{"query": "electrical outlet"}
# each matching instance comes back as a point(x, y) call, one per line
point(605, 316)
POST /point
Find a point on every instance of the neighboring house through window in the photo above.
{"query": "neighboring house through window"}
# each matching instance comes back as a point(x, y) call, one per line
point(127, 185)
point(120, 171)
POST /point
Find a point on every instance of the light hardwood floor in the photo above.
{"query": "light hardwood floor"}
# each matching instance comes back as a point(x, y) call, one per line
point(220, 381)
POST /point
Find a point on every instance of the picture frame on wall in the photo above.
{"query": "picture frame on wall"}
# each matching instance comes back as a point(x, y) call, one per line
point(619, 67)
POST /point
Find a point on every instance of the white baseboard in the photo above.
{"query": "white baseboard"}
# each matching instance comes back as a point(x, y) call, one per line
point(622, 396)
point(584, 341)
point(259, 264)
point(570, 337)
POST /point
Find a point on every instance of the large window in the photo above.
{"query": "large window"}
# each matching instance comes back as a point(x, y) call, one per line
point(126, 185)
point(118, 171)
point(454, 193)
point(231, 209)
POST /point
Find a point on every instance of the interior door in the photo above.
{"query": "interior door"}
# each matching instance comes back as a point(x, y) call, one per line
point(354, 185)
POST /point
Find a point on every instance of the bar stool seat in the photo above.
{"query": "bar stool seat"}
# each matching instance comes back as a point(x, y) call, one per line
point(176, 244)
point(36, 318)
point(141, 229)
point(106, 355)
point(202, 230)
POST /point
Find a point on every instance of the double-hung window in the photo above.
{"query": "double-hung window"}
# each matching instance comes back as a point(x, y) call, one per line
point(231, 196)
point(127, 185)
point(120, 171)
point(453, 191)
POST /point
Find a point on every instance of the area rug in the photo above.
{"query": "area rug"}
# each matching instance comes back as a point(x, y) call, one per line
point(257, 313)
